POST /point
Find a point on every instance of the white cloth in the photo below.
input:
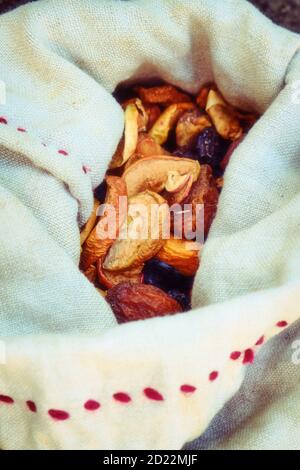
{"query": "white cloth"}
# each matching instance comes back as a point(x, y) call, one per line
point(60, 62)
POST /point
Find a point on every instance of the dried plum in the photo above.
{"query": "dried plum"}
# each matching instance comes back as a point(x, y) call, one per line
point(164, 276)
point(211, 148)
point(100, 191)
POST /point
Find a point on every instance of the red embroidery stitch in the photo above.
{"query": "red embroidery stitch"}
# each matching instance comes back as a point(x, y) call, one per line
point(188, 388)
point(21, 129)
point(3, 120)
point(213, 375)
point(122, 397)
point(260, 341)
point(59, 415)
point(31, 406)
point(153, 394)
point(63, 152)
point(92, 405)
point(6, 399)
point(248, 356)
point(235, 355)
point(282, 324)
point(86, 169)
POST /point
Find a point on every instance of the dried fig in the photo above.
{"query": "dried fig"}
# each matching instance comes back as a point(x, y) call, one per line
point(164, 95)
point(167, 120)
point(131, 302)
point(95, 247)
point(111, 279)
point(222, 116)
point(141, 236)
point(151, 173)
point(189, 126)
point(181, 254)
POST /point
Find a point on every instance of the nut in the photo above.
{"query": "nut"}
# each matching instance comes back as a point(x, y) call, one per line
point(222, 116)
point(151, 173)
point(167, 121)
point(164, 95)
point(141, 236)
point(95, 247)
point(189, 126)
point(131, 302)
point(181, 254)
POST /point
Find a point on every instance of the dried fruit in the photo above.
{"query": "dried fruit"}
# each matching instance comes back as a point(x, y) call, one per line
point(167, 120)
point(202, 96)
point(153, 112)
point(182, 255)
point(91, 274)
point(210, 147)
point(166, 277)
point(222, 116)
point(185, 154)
point(164, 95)
point(143, 118)
point(141, 236)
point(189, 127)
point(131, 302)
point(183, 298)
point(148, 147)
point(205, 192)
point(151, 173)
point(230, 151)
point(95, 247)
point(176, 181)
point(100, 191)
point(111, 279)
point(176, 197)
point(90, 223)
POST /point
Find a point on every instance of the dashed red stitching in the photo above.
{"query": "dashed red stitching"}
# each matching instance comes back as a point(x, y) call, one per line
point(3, 120)
point(21, 129)
point(188, 388)
point(248, 356)
point(213, 375)
point(235, 355)
point(59, 415)
point(282, 324)
point(260, 341)
point(63, 152)
point(92, 405)
point(86, 169)
point(122, 397)
point(6, 399)
point(153, 394)
point(31, 406)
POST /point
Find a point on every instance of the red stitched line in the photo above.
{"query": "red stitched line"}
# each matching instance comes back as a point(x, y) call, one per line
point(122, 397)
point(3, 120)
point(6, 399)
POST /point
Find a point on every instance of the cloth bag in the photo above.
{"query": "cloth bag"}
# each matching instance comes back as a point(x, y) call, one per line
point(70, 378)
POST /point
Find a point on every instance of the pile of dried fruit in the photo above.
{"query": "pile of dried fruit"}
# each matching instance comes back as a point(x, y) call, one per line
point(174, 150)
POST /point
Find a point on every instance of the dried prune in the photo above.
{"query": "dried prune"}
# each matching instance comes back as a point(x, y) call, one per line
point(131, 302)
point(100, 191)
point(183, 298)
point(210, 147)
point(166, 277)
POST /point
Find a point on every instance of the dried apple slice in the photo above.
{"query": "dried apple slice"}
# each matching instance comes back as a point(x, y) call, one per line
point(176, 181)
point(90, 223)
point(153, 112)
point(178, 196)
point(95, 247)
point(164, 95)
point(189, 126)
point(182, 255)
point(222, 116)
point(151, 173)
point(167, 120)
point(111, 279)
point(141, 236)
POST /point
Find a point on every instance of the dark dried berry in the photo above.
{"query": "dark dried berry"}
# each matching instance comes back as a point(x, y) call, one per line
point(100, 191)
point(164, 276)
point(211, 147)
point(183, 298)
